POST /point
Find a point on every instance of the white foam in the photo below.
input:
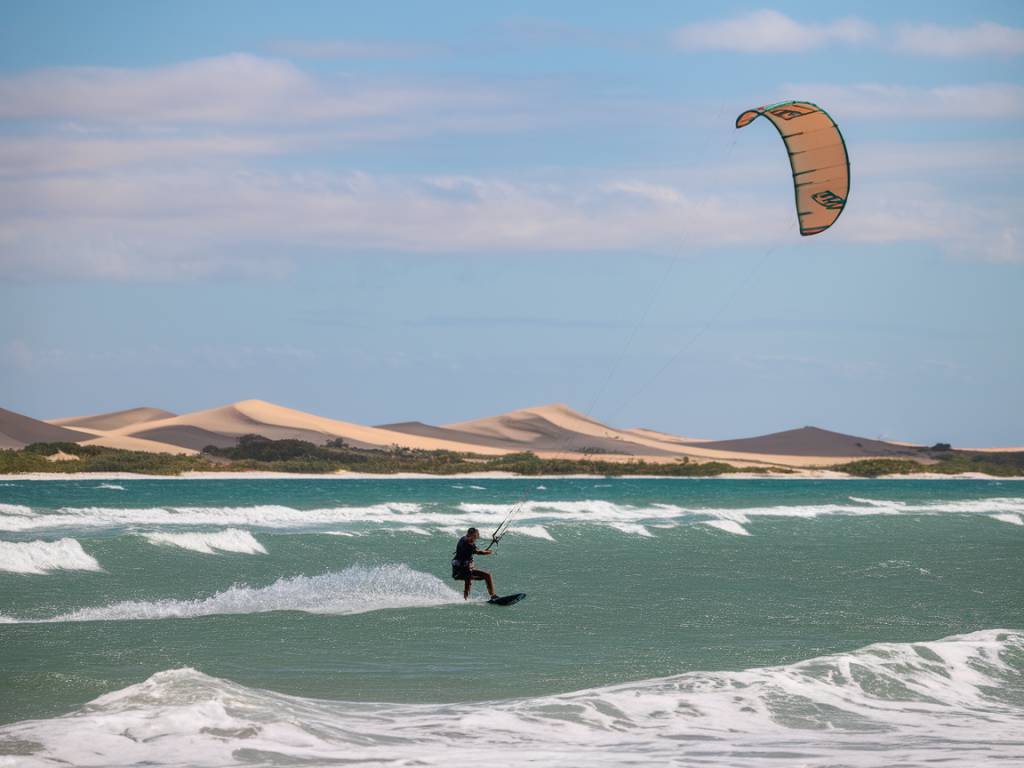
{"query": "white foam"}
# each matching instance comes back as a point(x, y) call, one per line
point(877, 502)
point(591, 511)
point(414, 529)
point(111, 486)
point(478, 488)
point(39, 557)
point(354, 590)
point(729, 526)
point(1008, 517)
point(632, 528)
point(265, 516)
point(533, 531)
point(945, 702)
point(210, 542)
point(15, 509)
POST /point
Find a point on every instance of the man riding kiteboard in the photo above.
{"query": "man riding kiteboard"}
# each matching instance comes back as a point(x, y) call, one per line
point(462, 564)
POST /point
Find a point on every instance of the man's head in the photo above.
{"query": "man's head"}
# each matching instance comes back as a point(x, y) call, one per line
point(472, 535)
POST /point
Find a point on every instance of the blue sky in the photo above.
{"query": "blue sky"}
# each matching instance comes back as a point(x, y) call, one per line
point(442, 212)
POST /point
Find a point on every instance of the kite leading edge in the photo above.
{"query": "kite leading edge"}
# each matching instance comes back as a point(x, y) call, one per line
point(817, 155)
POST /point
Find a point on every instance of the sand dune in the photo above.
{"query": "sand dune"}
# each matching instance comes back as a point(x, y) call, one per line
point(195, 438)
point(556, 428)
point(419, 429)
point(665, 437)
point(549, 431)
point(115, 420)
point(810, 441)
point(201, 428)
point(17, 431)
point(127, 443)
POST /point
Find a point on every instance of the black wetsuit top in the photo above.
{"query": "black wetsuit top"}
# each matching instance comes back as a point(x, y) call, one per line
point(464, 552)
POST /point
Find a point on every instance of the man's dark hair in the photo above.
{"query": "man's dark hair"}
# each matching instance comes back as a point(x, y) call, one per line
point(471, 531)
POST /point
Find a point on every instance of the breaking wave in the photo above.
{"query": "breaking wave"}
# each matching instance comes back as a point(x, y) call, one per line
point(39, 557)
point(210, 543)
point(533, 531)
point(264, 516)
point(353, 590)
point(16, 510)
point(955, 702)
point(729, 526)
point(632, 528)
point(625, 517)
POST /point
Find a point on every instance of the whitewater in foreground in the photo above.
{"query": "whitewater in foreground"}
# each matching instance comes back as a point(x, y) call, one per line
point(956, 701)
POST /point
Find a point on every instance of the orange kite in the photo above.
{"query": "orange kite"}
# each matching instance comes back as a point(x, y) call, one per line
point(817, 155)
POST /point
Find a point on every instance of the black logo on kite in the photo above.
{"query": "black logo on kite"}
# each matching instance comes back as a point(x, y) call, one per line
point(828, 199)
point(788, 114)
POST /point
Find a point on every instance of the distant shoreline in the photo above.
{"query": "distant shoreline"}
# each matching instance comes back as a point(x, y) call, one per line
point(258, 475)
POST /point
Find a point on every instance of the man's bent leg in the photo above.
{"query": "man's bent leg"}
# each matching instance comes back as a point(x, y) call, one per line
point(465, 591)
point(488, 581)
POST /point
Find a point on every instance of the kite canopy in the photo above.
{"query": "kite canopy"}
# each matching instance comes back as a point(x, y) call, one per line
point(817, 155)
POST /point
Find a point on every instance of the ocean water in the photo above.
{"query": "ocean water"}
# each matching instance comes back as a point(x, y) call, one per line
point(668, 622)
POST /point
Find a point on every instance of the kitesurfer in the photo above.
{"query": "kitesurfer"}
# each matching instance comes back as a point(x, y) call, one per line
point(462, 563)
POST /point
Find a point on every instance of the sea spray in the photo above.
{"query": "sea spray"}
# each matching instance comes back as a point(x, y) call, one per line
point(354, 590)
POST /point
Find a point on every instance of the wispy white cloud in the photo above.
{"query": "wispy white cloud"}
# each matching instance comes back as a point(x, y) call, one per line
point(928, 159)
point(105, 148)
point(226, 107)
point(150, 174)
point(987, 228)
point(179, 225)
point(541, 31)
point(986, 101)
point(231, 89)
point(981, 39)
point(352, 49)
point(183, 224)
point(70, 154)
point(18, 355)
point(769, 31)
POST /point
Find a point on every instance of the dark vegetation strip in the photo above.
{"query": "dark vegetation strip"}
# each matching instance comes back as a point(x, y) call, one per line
point(255, 453)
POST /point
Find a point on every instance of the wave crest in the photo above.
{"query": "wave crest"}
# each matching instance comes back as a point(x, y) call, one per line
point(41, 557)
point(625, 517)
point(914, 704)
point(210, 542)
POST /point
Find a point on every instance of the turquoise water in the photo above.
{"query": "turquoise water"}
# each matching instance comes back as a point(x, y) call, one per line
point(704, 621)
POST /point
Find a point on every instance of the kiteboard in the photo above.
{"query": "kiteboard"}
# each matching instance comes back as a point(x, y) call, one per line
point(507, 599)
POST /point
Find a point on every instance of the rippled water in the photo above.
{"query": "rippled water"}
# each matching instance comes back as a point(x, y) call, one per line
point(695, 622)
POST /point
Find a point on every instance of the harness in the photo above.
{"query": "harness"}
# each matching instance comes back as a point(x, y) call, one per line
point(460, 568)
